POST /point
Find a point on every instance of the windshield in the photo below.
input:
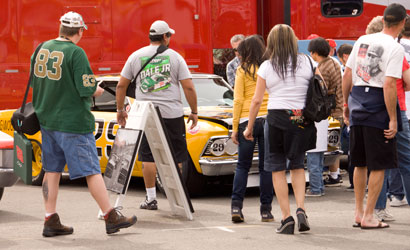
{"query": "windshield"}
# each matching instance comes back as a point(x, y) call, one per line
point(211, 92)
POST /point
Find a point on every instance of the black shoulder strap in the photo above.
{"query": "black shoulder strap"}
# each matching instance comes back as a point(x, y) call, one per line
point(311, 65)
point(31, 76)
point(160, 49)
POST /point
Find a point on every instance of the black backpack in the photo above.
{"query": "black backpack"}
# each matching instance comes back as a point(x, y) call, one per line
point(319, 103)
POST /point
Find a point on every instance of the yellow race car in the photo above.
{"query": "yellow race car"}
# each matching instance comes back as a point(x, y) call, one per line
point(212, 152)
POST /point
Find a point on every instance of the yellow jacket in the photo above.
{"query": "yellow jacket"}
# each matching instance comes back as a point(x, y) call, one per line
point(243, 93)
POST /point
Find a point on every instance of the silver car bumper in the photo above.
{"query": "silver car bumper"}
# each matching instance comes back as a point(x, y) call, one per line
point(331, 157)
point(226, 166)
point(7, 176)
point(223, 166)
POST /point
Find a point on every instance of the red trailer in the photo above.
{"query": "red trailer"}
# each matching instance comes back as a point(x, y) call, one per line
point(117, 28)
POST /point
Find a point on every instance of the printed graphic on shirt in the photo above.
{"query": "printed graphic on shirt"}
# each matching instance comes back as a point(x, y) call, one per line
point(369, 60)
point(156, 76)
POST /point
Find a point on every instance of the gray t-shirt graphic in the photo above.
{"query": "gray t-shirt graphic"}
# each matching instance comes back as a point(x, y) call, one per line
point(159, 80)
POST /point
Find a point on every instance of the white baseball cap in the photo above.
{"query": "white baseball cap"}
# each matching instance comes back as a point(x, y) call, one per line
point(160, 27)
point(73, 20)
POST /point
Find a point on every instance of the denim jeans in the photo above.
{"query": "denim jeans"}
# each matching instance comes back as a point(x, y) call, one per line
point(381, 201)
point(245, 156)
point(315, 167)
point(403, 154)
point(395, 184)
point(403, 160)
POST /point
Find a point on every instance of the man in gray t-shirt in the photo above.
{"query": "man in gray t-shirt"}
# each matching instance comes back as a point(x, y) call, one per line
point(159, 82)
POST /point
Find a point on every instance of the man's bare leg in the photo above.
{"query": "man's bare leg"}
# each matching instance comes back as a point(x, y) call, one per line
point(51, 183)
point(374, 186)
point(98, 190)
point(149, 172)
point(359, 181)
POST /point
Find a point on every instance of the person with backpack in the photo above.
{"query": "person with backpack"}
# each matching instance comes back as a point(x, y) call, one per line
point(285, 75)
point(251, 52)
point(330, 71)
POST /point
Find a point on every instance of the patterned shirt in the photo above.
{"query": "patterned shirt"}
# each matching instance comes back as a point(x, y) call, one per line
point(231, 70)
point(331, 74)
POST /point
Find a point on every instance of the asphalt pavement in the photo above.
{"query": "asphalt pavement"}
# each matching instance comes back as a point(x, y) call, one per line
point(330, 217)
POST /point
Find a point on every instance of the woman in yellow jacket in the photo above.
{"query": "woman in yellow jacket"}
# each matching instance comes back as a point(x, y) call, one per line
point(251, 52)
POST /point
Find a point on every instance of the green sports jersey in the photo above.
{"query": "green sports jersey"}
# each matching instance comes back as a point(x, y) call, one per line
point(63, 84)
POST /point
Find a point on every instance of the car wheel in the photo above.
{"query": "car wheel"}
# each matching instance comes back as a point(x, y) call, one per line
point(1, 192)
point(194, 181)
point(37, 164)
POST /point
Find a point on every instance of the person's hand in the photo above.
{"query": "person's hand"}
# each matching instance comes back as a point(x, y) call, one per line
point(98, 92)
point(234, 137)
point(122, 117)
point(248, 134)
point(392, 131)
point(346, 115)
point(194, 119)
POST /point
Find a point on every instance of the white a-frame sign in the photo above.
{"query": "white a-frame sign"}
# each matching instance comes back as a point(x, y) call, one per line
point(145, 118)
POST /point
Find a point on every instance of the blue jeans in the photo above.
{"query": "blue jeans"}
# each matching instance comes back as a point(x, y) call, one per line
point(381, 201)
point(315, 167)
point(78, 151)
point(245, 156)
point(403, 160)
point(395, 184)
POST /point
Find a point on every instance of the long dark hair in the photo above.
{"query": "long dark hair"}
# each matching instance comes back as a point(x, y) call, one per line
point(282, 46)
point(251, 51)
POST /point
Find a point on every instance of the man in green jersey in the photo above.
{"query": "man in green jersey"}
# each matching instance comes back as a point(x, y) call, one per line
point(63, 85)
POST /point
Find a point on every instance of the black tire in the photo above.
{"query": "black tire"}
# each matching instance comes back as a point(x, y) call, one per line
point(1, 192)
point(37, 180)
point(194, 181)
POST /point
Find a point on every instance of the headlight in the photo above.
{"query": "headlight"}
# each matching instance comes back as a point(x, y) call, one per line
point(333, 138)
point(217, 147)
point(230, 147)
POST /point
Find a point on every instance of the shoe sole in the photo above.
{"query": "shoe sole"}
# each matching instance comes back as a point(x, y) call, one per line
point(52, 233)
point(288, 228)
point(313, 195)
point(117, 228)
point(267, 220)
point(333, 185)
point(149, 208)
point(386, 220)
point(303, 224)
point(398, 205)
point(236, 218)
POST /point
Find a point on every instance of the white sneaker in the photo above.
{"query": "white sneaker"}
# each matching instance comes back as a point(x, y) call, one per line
point(395, 202)
point(383, 215)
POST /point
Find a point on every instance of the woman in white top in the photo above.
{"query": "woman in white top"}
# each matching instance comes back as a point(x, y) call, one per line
point(285, 76)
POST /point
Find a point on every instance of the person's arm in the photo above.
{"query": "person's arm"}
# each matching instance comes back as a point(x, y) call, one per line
point(120, 93)
point(190, 95)
point(346, 88)
point(238, 100)
point(98, 91)
point(390, 99)
point(406, 80)
point(255, 105)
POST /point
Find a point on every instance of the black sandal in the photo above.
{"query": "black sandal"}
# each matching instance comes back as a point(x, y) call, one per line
point(303, 224)
point(287, 226)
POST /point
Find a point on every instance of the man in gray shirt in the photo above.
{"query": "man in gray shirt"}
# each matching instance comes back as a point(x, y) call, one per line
point(234, 63)
point(159, 82)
